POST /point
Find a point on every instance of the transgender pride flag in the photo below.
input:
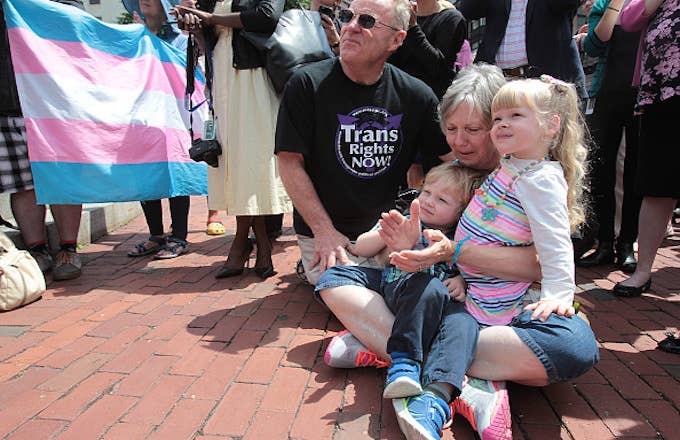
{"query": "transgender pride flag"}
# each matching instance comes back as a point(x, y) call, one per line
point(104, 107)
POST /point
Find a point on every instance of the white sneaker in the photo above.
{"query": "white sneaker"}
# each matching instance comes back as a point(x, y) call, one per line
point(345, 351)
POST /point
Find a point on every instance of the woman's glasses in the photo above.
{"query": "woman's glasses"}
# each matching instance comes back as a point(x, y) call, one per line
point(366, 21)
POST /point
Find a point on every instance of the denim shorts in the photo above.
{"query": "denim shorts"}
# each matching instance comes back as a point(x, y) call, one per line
point(566, 347)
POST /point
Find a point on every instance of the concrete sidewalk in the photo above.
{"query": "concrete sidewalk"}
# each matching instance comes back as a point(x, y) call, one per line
point(138, 348)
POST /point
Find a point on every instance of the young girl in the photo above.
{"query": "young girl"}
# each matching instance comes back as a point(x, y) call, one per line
point(418, 299)
point(534, 196)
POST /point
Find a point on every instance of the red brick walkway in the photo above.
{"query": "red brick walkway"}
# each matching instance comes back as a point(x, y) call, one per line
point(138, 348)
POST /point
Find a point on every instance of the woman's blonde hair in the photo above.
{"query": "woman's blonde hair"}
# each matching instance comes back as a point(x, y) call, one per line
point(463, 181)
point(548, 97)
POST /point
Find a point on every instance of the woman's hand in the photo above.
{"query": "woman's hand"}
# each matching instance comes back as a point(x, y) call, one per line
point(543, 308)
point(457, 288)
point(440, 249)
point(398, 232)
point(191, 19)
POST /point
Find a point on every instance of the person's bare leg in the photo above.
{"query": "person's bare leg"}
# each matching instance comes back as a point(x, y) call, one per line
point(364, 313)
point(501, 355)
point(30, 217)
point(655, 213)
point(67, 219)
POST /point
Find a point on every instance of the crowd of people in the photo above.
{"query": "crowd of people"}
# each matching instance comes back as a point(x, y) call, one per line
point(507, 168)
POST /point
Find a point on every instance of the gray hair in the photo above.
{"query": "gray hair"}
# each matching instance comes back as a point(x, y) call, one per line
point(402, 13)
point(475, 85)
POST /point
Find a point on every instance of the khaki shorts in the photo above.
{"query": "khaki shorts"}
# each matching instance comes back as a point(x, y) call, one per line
point(313, 274)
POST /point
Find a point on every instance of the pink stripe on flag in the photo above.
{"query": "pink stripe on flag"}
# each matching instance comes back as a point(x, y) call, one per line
point(57, 140)
point(80, 62)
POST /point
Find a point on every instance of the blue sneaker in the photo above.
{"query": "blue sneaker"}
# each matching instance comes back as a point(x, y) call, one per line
point(403, 378)
point(422, 417)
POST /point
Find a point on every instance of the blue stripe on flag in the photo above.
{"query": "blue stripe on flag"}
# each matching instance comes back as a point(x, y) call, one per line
point(63, 182)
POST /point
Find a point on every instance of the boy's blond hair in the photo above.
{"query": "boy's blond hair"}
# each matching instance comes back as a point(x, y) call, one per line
point(463, 181)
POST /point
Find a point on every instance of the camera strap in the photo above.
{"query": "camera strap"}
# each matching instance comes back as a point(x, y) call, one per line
point(192, 61)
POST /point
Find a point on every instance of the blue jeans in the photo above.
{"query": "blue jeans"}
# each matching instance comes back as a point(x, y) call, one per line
point(417, 300)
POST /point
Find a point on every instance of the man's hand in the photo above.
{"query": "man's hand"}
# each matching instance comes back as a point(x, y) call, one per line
point(440, 249)
point(412, 21)
point(457, 288)
point(330, 30)
point(329, 250)
point(398, 232)
point(543, 308)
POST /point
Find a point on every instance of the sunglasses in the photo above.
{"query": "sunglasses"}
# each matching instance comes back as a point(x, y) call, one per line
point(366, 21)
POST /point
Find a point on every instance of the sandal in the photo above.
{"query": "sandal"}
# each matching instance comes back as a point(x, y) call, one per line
point(143, 248)
point(173, 248)
point(215, 228)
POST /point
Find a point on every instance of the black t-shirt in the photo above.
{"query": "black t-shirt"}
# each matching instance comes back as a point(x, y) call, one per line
point(357, 141)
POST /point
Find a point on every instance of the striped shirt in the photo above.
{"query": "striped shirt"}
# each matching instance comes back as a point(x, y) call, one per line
point(490, 300)
point(513, 50)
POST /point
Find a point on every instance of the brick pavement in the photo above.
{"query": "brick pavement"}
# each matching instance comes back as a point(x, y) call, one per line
point(138, 348)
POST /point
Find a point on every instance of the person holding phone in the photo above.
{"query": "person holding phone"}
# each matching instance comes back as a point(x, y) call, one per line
point(329, 22)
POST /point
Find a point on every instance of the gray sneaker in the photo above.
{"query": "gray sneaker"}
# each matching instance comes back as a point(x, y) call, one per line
point(43, 258)
point(67, 266)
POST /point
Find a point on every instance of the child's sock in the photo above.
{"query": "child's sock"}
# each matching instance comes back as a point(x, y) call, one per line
point(441, 391)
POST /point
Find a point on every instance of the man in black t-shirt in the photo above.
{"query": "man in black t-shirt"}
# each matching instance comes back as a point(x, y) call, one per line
point(348, 129)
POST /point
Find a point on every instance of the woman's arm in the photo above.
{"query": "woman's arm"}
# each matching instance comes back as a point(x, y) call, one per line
point(634, 17)
point(514, 263)
point(605, 27)
point(263, 17)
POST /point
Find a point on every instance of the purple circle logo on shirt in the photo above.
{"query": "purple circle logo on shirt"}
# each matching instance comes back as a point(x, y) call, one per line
point(368, 141)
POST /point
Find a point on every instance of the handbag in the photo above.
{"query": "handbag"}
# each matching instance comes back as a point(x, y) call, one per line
point(298, 39)
point(21, 280)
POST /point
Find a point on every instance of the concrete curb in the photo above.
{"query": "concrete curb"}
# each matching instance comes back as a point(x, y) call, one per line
point(97, 219)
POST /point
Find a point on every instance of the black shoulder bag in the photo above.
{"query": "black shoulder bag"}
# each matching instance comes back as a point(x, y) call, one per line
point(298, 39)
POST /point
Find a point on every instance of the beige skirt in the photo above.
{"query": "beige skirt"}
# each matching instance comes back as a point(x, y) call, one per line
point(247, 181)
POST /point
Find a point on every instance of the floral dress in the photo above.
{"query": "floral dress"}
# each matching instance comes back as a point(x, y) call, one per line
point(660, 75)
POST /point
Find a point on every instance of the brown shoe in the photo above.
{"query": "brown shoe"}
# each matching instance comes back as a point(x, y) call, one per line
point(67, 266)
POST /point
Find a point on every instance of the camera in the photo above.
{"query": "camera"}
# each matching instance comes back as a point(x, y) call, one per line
point(326, 11)
point(207, 151)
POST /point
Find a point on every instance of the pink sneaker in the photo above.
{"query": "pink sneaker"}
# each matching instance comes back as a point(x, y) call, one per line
point(345, 351)
point(485, 404)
